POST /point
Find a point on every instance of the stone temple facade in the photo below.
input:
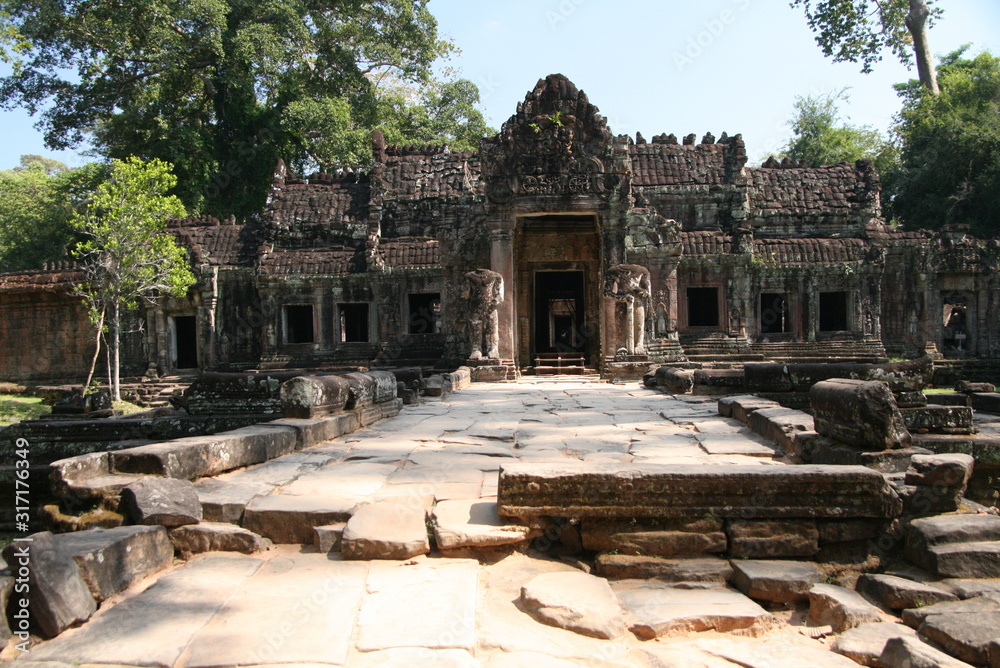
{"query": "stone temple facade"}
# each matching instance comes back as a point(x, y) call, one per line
point(556, 245)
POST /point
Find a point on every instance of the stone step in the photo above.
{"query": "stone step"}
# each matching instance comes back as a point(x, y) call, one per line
point(287, 519)
point(958, 546)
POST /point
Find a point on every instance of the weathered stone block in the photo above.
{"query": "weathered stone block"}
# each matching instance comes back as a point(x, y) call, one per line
point(437, 386)
point(840, 608)
point(225, 501)
point(844, 531)
point(741, 406)
point(385, 530)
point(289, 519)
point(216, 537)
point(694, 570)
point(859, 413)
point(461, 378)
point(914, 653)
point(673, 380)
point(112, 560)
point(314, 396)
point(955, 545)
point(986, 402)
point(609, 490)
point(938, 419)
point(898, 593)
point(780, 425)
point(576, 602)
point(865, 644)
point(756, 539)
point(714, 382)
point(318, 430)
point(777, 581)
point(165, 501)
point(371, 387)
point(237, 393)
point(327, 538)
point(658, 610)
point(908, 376)
point(968, 387)
point(970, 637)
point(59, 597)
point(948, 470)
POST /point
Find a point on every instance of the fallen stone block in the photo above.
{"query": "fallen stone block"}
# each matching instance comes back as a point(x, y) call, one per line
point(66, 472)
point(614, 490)
point(112, 560)
point(858, 413)
point(713, 572)
point(370, 387)
point(967, 387)
point(166, 501)
point(658, 610)
point(673, 380)
point(314, 396)
point(970, 637)
point(437, 386)
point(319, 430)
point(914, 653)
point(865, 644)
point(286, 519)
point(327, 538)
point(474, 523)
point(740, 407)
point(948, 470)
point(576, 602)
point(935, 419)
point(372, 414)
point(461, 378)
point(713, 382)
point(840, 608)
point(237, 393)
point(780, 425)
point(216, 537)
point(898, 593)
point(60, 597)
point(955, 545)
point(385, 530)
point(758, 539)
point(779, 581)
point(225, 501)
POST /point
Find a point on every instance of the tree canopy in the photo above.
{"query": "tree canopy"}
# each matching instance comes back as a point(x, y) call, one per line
point(950, 155)
point(37, 201)
point(222, 88)
point(127, 255)
point(819, 137)
point(859, 31)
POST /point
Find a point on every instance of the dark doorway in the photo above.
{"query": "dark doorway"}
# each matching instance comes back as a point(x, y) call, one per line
point(833, 312)
point(703, 307)
point(353, 323)
point(774, 315)
point(186, 342)
point(560, 323)
point(425, 313)
point(299, 324)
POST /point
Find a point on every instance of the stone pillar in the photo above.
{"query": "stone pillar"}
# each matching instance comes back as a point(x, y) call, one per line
point(502, 262)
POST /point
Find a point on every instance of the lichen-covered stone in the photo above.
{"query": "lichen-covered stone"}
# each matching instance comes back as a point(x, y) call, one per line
point(859, 413)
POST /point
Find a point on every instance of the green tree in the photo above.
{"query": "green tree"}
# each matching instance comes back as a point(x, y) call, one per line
point(210, 86)
point(858, 31)
point(37, 201)
point(128, 256)
point(950, 156)
point(819, 137)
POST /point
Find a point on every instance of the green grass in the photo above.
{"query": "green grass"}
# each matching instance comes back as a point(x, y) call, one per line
point(939, 390)
point(128, 408)
point(16, 407)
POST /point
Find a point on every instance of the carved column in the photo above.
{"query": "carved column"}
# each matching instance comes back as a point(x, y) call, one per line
point(502, 262)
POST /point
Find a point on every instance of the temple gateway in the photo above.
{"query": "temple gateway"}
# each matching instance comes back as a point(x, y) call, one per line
point(557, 246)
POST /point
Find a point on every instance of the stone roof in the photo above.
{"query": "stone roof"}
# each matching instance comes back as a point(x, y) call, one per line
point(320, 208)
point(797, 191)
point(676, 164)
point(705, 243)
point(215, 244)
point(411, 252)
point(329, 261)
point(811, 251)
point(52, 276)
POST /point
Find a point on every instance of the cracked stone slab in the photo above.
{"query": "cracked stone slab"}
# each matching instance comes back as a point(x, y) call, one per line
point(657, 610)
point(385, 530)
point(474, 523)
point(441, 593)
point(574, 601)
point(124, 635)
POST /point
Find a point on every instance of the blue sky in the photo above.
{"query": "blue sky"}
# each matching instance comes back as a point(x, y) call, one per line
point(656, 65)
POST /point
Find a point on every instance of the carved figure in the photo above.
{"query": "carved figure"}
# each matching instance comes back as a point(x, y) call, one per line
point(629, 283)
point(484, 290)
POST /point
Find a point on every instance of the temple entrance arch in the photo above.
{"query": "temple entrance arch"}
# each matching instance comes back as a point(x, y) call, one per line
point(557, 304)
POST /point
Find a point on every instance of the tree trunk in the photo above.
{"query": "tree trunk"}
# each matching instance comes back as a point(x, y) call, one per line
point(115, 346)
point(97, 353)
point(916, 23)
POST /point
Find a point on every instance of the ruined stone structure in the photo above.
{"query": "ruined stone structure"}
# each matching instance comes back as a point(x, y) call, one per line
point(614, 249)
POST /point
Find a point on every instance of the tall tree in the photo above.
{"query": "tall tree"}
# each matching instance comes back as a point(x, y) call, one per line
point(950, 159)
point(128, 256)
point(207, 85)
point(37, 201)
point(859, 30)
point(820, 137)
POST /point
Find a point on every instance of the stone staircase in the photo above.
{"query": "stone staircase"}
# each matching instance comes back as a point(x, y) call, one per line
point(810, 352)
point(552, 364)
point(955, 546)
point(155, 392)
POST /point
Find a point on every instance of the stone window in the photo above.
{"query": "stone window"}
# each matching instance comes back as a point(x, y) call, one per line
point(833, 312)
point(775, 316)
point(425, 313)
point(353, 323)
point(300, 326)
point(703, 307)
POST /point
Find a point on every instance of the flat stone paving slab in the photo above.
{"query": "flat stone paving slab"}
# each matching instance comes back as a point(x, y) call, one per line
point(474, 523)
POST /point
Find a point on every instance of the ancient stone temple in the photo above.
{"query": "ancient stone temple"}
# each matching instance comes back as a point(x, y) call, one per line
point(556, 246)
